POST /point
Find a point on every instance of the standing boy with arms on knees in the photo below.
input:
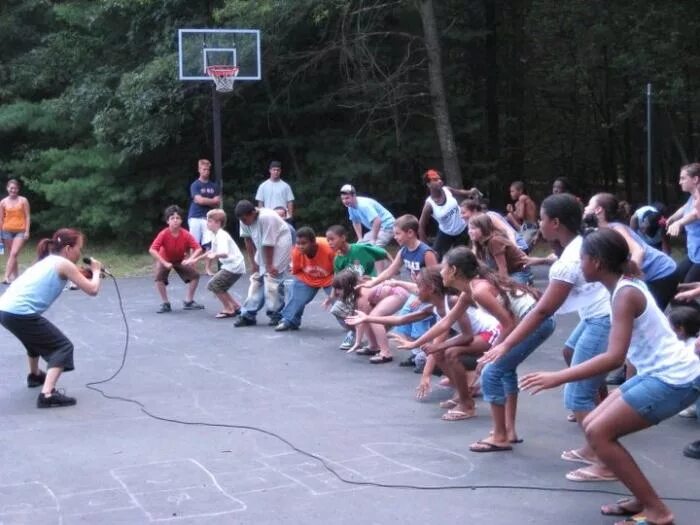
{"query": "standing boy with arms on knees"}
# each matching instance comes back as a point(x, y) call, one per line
point(174, 248)
point(269, 246)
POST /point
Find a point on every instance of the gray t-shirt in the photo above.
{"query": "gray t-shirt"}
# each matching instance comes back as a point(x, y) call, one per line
point(274, 194)
point(269, 229)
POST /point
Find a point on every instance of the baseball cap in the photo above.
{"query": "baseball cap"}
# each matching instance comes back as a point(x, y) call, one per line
point(275, 164)
point(347, 188)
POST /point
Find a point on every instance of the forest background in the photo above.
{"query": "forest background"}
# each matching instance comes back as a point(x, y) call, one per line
point(95, 122)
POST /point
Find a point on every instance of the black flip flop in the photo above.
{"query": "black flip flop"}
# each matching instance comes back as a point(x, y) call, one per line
point(489, 447)
point(380, 359)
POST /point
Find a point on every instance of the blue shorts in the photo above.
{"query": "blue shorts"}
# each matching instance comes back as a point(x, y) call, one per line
point(8, 236)
point(589, 339)
point(656, 400)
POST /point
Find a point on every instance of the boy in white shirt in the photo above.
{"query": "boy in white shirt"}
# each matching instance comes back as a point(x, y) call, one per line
point(223, 248)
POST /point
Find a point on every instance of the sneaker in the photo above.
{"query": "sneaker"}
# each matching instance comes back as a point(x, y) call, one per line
point(409, 361)
point(35, 380)
point(192, 305)
point(348, 342)
point(690, 412)
point(283, 326)
point(274, 321)
point(164, 308)
point(244, 321)
point(56, 399)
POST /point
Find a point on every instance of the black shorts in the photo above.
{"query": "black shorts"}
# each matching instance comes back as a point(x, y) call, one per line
point(41, 339)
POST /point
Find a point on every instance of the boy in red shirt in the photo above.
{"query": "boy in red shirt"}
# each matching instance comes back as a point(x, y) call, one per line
point(174, 248)
point(312, 270)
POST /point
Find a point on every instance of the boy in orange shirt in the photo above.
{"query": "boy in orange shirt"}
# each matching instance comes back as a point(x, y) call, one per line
point(312, 269)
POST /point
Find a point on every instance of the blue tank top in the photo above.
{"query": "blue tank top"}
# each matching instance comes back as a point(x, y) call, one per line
point(414, 260)
point(692, 233)
point(655, 263)
point(35, 290)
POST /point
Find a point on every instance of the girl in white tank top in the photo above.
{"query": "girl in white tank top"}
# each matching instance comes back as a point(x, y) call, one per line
point(667, 380)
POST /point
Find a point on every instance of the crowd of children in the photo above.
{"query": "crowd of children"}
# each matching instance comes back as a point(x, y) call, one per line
point(470, 314)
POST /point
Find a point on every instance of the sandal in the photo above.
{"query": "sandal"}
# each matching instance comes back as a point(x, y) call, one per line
point(586, 474)
point(448, 404)
point(617, 508)
point(575, 456)
point(458, 415)
point(366, 351)
point(225, 315)
point(485, 446)
point(380, 359)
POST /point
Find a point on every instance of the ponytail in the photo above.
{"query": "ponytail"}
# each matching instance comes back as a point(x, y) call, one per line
point(61, 238)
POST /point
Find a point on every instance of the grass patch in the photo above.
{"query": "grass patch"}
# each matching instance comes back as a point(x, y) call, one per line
point(122, 261)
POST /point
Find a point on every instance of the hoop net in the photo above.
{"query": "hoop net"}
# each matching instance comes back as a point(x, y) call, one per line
point(223, 76)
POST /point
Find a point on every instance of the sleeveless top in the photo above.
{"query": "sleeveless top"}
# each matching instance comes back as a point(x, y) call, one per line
point(655, 263)
point(692, 233)
point(14, 219)
point(35, 289)
point(414, 260)
point(447, 216)
point(479, 319)
point(655, 350)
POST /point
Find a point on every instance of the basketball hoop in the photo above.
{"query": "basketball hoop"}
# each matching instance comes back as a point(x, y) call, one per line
point(223, 76)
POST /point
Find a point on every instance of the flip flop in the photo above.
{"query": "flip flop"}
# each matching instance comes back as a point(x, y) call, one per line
point(485, 446)
point(585, 474)
point(457, 415)
point(639, 519)
point(225, 315)
point(366, 351)
point(448, 403)
point(380, 359)
point(616, 509)
point(574, 456)
point(571, 418)
point(519, 440)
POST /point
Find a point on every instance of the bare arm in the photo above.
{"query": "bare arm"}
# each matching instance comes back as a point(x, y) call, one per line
point(70, 271)
point(444, 324)
point(629, 303)
point(290, 209)
point(358, 230)
point(207, 201)
point(27, 217)
point(423, 221)
point(376, 226)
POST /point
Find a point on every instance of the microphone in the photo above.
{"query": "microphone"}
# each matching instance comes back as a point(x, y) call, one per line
point(88, 260)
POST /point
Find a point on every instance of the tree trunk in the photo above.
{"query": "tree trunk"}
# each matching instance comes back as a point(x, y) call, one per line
point(491, 99)
point(448, 148)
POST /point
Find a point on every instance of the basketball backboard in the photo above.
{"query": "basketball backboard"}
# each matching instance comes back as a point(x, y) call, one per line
point(200, 48)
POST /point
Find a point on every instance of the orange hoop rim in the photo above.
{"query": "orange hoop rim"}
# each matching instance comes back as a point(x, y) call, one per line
point(222, 71)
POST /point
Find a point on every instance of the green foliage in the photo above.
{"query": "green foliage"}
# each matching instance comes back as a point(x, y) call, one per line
point(94, 119)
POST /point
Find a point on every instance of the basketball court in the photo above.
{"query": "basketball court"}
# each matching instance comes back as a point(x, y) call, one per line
point(105, 461)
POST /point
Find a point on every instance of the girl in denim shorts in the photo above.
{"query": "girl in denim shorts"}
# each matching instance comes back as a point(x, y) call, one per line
point(568, 291)
point(667, 380)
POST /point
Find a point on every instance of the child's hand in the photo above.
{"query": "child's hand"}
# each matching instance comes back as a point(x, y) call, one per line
point(167, 265)
point(356, 319)
point(402, 342)
point(210, 255)
point(423, 388)
point(355, 347)
point(327, 303)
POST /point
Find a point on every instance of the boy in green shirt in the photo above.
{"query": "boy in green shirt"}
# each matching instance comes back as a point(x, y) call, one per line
point(360, 258)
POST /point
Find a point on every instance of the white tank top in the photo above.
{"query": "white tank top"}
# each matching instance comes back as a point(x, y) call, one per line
point(447, 216)
point(479, 319)
point(655, 350)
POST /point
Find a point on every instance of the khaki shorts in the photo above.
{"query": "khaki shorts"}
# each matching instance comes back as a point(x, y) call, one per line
point(186, 273)
point(222, 281)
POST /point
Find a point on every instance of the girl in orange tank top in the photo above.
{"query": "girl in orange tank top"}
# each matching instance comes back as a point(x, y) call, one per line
point(14, 227)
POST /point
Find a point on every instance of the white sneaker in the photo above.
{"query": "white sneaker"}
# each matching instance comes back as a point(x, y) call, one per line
point(348, 342)
point(690, 412)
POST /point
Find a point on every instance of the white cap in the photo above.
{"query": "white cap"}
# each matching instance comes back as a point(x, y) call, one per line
point(348, 188)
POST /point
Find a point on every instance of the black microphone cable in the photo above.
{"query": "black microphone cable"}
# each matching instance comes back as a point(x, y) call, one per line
point(324, 463)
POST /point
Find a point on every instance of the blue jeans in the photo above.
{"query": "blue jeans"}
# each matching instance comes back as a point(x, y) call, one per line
point(656, 400)
point(297, 296)
point(523, 276)
point(264, 290)
point(499, 379)
point(589, 339)
point(418, 328)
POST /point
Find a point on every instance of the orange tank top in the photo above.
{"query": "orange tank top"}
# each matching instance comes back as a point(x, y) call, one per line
point(14, 219)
